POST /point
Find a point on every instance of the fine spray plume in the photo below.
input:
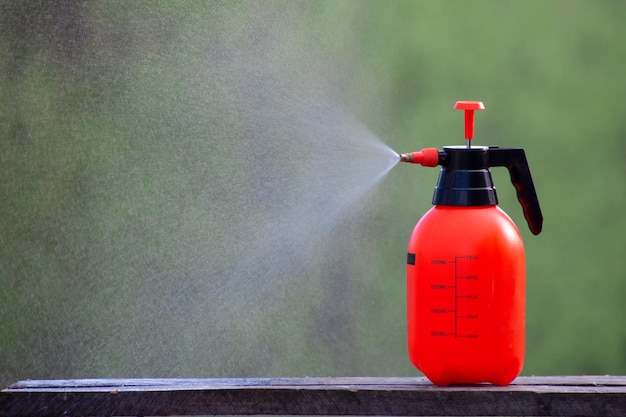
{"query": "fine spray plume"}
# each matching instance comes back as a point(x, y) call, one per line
point(215, 216)
point(466, 268)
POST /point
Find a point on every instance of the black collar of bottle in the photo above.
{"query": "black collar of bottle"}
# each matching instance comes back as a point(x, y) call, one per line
point(465, 179)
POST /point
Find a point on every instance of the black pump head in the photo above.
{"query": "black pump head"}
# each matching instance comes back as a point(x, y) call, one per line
point(465, 179)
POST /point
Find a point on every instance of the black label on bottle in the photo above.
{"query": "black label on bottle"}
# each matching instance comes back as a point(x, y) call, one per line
point(410, 259)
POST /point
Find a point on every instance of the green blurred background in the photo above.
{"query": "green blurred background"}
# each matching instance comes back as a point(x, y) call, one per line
point(92, 95)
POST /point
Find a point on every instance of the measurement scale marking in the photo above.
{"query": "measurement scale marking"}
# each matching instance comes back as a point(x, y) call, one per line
point(457, 296)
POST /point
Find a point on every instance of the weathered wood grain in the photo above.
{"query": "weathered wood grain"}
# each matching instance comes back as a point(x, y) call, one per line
point(527, 396)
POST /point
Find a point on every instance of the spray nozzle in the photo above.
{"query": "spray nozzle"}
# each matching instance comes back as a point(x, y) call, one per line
point(428, 157)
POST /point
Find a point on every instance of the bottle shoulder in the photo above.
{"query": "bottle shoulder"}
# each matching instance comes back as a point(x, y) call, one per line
point(458, 220)
point(454, 228)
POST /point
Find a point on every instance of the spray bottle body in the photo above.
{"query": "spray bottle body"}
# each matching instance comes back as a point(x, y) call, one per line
point(466, 282)
point(466, 267)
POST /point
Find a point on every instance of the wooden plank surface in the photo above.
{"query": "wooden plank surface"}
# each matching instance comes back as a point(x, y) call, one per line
point(528, 396)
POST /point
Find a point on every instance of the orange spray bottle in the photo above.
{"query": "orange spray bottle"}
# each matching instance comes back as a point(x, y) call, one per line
point(466, 270)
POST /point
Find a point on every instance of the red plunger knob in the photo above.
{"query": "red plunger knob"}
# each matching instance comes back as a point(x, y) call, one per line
point(469, 107)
